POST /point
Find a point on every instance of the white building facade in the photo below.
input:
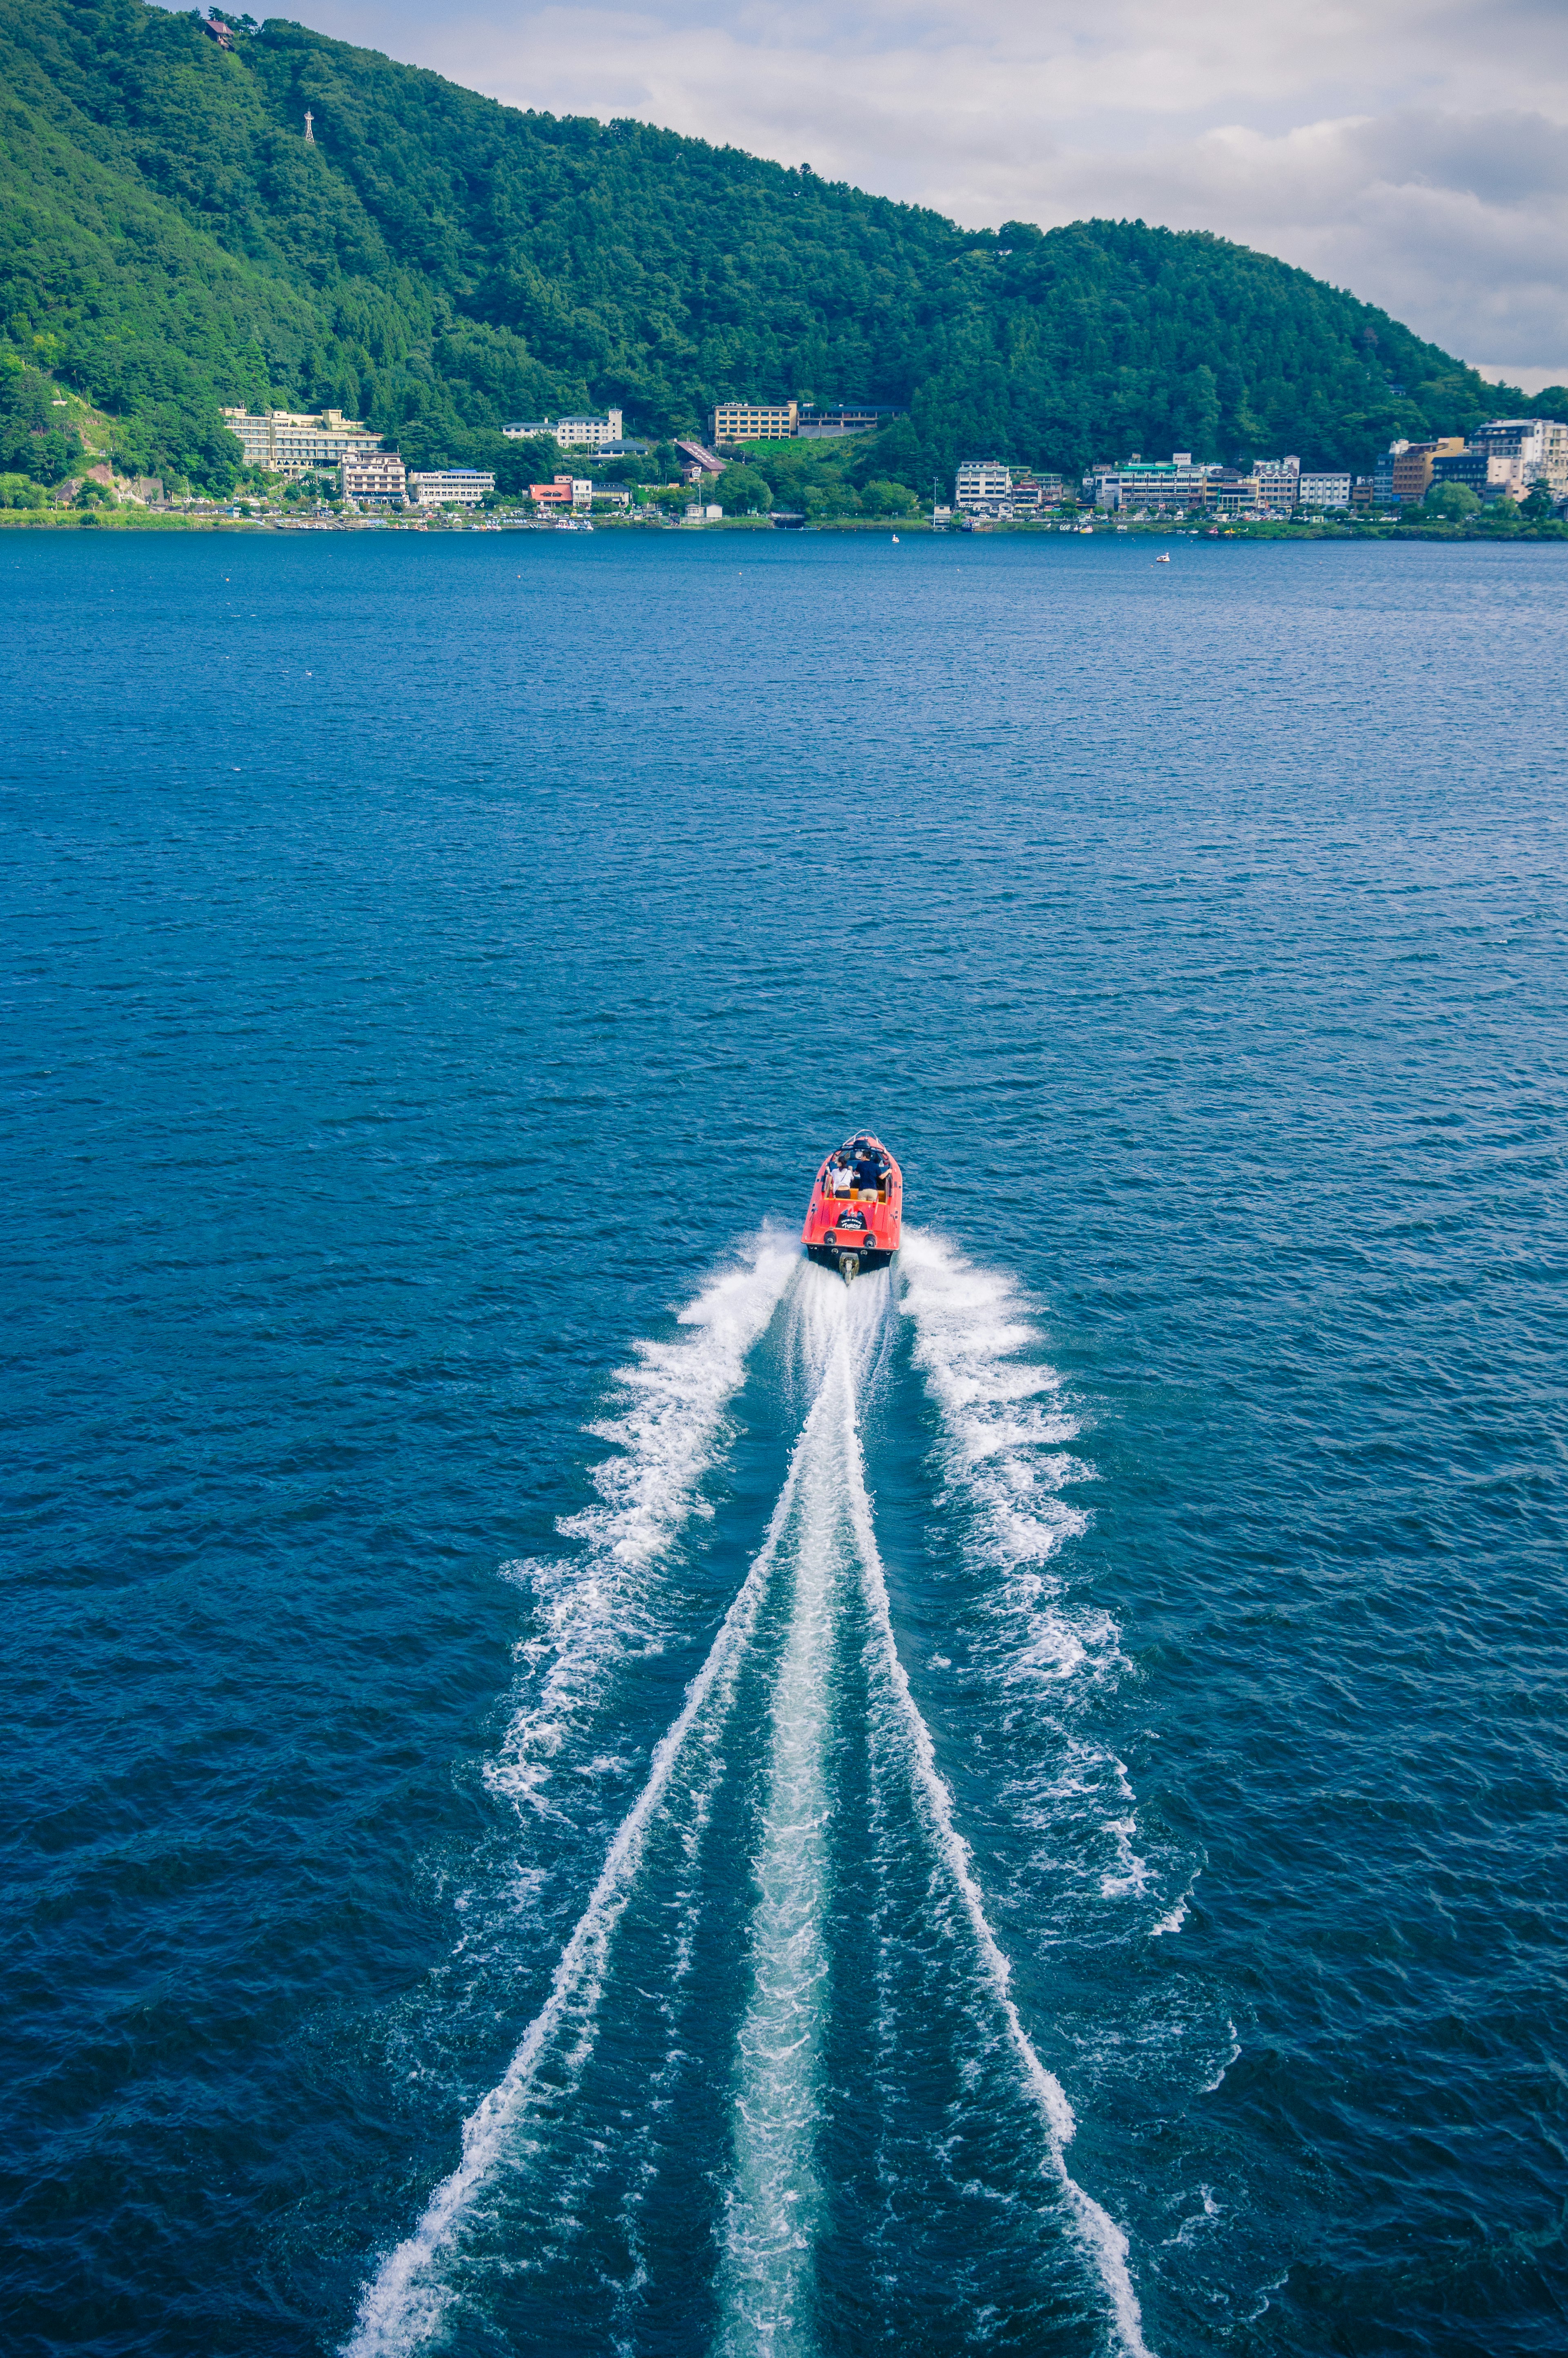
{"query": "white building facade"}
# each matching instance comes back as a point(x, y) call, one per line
point(1160, 485)
point(442, 486)
point(1536, 451)
point(372, 477)
point(984, 487)
point(1325, 487)
point(570, 433)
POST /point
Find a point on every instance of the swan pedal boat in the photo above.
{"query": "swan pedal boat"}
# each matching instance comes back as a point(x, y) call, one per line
point(848, 1227)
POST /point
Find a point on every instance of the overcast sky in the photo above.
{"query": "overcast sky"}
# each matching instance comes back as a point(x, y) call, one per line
point(1416, 153)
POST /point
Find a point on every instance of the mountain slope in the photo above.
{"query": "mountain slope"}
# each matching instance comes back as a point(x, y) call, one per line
point(437, 263)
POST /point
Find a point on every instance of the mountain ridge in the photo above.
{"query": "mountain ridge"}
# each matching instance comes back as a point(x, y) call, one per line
point(437, 263)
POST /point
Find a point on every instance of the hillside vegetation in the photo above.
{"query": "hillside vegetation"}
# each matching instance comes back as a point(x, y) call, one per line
point(437, 263)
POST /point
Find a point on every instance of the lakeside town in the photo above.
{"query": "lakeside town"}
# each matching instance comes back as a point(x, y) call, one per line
point(1506, 463)
point(322, 470)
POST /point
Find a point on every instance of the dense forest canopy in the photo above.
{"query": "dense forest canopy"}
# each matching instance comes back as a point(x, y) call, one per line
point(437, 263)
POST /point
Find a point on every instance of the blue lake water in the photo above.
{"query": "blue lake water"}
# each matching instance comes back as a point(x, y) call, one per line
point(575, 1786)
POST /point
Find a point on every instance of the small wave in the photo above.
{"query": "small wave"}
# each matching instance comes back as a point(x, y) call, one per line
point(1235, 2055)
point(1177, 1916)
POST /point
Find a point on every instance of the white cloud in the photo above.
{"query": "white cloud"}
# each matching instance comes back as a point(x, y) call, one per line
point(1413, 150)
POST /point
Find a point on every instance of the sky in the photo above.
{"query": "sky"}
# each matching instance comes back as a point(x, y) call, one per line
point(1415, 154)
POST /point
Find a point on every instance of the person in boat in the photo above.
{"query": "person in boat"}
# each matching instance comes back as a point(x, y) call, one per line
point(869, 1169)
point(839, 1175)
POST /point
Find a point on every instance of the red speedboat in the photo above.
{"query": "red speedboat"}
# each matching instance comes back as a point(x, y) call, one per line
point(856, 1216)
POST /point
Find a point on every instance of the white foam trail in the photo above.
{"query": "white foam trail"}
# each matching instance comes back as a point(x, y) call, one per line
point(774, 2203)
point(403, 2303)
point(1003, 1420)
point(1102, 2238)
point(599, 1606)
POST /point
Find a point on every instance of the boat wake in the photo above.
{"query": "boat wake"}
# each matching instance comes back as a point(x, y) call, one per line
point(803, 1680)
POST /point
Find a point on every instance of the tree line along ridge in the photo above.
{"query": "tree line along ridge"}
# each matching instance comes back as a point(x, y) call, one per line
point(437, 263)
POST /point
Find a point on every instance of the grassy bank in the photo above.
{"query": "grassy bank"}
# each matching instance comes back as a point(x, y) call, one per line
point(119, 520)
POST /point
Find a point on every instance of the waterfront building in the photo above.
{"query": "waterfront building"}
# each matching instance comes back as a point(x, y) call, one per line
point(1403, 472)
point(570, 433)
point(1033, 495)
point(1325, 488)
point(1277, 483)
point(442, 486)
point(1230, 493)
point(983, 486)
point(1491, 473)
point(566, 492)
point(292, 443)
point(754, 421)
point(1535, 448)
point(1158, 485)
point(371, 476)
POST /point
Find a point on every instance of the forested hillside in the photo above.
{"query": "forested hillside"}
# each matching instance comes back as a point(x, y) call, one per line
point(437, 263)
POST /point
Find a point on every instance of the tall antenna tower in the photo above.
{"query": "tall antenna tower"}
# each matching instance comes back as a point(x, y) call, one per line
point(309, 135)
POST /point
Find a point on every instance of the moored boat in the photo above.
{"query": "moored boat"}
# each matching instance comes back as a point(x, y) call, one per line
point(855, 1220)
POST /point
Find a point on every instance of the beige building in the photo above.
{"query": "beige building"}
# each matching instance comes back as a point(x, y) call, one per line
point(291, 442)
point(755, 421)
point(1278, 481)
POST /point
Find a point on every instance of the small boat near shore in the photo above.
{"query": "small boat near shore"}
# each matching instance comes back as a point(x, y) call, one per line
point(855, 1219)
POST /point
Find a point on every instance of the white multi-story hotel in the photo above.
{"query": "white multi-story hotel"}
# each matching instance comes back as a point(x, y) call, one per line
point(291, 442)
point(373, 475)
point(1154, 484)
point(437, 487)
point(572, 433)
point(755, 421)
point(1536, 447)
point(1325, 488)
point(983, 485)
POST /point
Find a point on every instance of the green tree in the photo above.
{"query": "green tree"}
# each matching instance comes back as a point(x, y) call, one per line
point(741, 491)
point(1539, 507)
point(1451, 502)
point(882, 498)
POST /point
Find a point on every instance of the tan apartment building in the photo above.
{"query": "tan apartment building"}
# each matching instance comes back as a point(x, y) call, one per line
point(755, 421)
point(290, 442)
point(1412, 470)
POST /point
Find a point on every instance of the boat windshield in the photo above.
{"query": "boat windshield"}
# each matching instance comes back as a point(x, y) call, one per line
point(860, 1167)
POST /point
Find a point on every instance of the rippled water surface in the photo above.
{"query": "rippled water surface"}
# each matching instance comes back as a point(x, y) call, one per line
point(575, 1786)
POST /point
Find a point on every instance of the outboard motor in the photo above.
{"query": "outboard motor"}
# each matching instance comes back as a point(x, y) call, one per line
point(849, 1266)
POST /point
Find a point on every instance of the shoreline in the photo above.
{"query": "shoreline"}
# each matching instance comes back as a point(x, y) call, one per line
point(143, 520)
